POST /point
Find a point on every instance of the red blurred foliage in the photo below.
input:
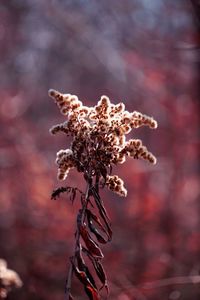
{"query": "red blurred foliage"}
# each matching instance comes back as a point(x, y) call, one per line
point(139, 52)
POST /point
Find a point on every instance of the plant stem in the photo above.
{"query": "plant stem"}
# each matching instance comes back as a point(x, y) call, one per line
point(85, 203)
point(77, 242)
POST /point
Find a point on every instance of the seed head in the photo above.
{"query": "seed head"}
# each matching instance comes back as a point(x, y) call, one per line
point(99, 137)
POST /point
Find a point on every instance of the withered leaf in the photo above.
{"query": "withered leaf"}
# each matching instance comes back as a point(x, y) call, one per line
point(102, 211)
point(81, 275)
point(90, 243)
point(99, 203)
point(94, 230)
point(99, 270)
point(99, 237)
point(92, 293)
point(82, 266)
point(90, 290)
point(89, 275)
point(56, 193)
point(96, 219)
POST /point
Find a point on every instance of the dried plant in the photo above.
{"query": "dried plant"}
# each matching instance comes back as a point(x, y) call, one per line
point(9, 279)
point(98, 142)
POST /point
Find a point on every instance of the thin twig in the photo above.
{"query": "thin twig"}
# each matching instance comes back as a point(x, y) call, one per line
point(68, 281)
point(128, 288)
point(171, 281)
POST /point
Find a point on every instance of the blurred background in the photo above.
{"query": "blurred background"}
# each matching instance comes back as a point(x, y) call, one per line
point(146, 54)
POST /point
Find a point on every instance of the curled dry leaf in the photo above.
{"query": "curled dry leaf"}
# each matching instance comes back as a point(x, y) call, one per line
point(97, 220)
point(100, 202)
point(92, 294)
point(82, 266)
point(99, 269)
point(56, 193)
point(94, 230)
point(90, 243)
point(100, 272)
point(81, 275)
point(102, 211)
point(90, 290)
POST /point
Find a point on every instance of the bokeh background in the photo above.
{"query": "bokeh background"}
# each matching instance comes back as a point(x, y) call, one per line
point(146, 54)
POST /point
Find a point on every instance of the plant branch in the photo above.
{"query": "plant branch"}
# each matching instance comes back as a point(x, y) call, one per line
point(171, 281)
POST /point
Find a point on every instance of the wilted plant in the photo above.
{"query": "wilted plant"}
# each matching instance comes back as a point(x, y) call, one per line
point(98, 142)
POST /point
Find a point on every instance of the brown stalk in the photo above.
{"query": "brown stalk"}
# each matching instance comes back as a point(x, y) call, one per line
point(77, 241)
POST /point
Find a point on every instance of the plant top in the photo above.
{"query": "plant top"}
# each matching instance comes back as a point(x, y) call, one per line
point(99, 138)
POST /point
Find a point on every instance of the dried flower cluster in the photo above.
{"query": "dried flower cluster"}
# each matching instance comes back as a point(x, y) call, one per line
point(99, 137)
point(116, 185)
point(98, 142)
point(8, 279)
